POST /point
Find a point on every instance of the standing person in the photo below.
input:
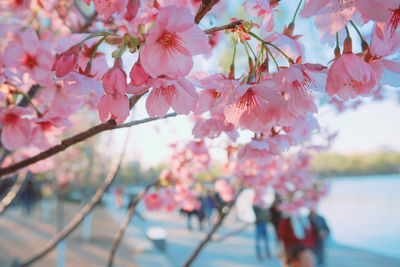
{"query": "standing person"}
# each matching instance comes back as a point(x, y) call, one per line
point(322, 232)
point(118, 197)
point(300, 256)
point(209, 206)
point(295, 230)
point(189, 214)
point(275, 213)
point(200, 213)
point(28, 196)
point(261, 230)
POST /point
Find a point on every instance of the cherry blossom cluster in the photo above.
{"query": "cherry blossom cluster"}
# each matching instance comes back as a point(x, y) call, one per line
point(262, 163)
point(61, 57)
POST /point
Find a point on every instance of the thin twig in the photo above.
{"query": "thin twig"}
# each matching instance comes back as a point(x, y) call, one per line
point(74, 223)
point(109, 125)
point(235, 232)
point(124, 225)
point(13, 193)
point(221, 217)
point(204, 7)
point(88, 23)
point(231, 25)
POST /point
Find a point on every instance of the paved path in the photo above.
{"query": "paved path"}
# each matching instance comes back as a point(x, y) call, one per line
point(237, 250)
point(21, 236)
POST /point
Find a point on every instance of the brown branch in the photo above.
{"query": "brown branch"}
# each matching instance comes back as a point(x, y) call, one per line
point(221, 217)
point(88, 23)
point(204, 7)
point(109, 125)
point(233, 233)
point(74, 223)
point(13, 193)
point(31, 93)
point(231, 25)
point(124, 225)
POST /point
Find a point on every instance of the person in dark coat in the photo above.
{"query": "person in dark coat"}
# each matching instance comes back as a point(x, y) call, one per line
point(261, 230)
point(275, 213)
point(322, 232)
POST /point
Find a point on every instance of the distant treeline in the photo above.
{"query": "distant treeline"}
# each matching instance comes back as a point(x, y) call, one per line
point(333, 164)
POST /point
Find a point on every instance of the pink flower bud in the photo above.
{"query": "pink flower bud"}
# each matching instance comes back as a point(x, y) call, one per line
point(114, 81)
point(66, 62)
point(138, 75)
point(132, 9)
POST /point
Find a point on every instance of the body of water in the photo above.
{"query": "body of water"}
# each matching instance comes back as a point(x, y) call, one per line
point(364, 212)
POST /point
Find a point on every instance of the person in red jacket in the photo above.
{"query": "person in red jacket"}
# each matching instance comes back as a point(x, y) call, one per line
point(295, 231)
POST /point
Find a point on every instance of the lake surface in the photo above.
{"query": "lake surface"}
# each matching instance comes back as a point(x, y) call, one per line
point(364, 212)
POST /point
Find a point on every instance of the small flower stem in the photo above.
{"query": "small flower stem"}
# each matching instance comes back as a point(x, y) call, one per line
point(273, 58)
point(262, 60)
point(347, 31)
point(247, 50)
point(251, 49)
point(297, 10)
point(364, 44)
point(29, 100)
point(274, 46)
point(337, 39)
point(96, 47)
point(97, 34)
point(357, 30)
point(257, 61)
point(337, 48)
point(234, 54)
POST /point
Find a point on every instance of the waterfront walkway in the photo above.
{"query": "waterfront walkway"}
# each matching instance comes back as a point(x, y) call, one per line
point(22, 235)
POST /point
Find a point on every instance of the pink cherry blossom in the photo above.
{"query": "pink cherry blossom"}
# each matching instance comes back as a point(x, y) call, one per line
point(114, 81)
point(61, 101)
point(108, 7)
point(179, 94)
point(262, 10)
point(301, 129)
point(297, 82)
point(224, 189)
point(383, 42)
point(66, 62)
point(330, 16)
point(32, 55)
point(172, 42)
point(259, 151)
point(138, 75)
point(250, 106)
point(216, 87)
point(212, 128)
point(113, 107)
point(132, 9)
point(46, 128)
point(350, 76)
point(153, 201)
point(17, 130)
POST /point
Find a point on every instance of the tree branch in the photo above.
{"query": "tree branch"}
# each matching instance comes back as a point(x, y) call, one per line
point(88, 23)
point(109, 125)
point(13, 193)
point(233, 233)
point(204, 7)
point(231, 25)
point(221, 217)
point(124, 225)
point(73, 224)
point(31, 93)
